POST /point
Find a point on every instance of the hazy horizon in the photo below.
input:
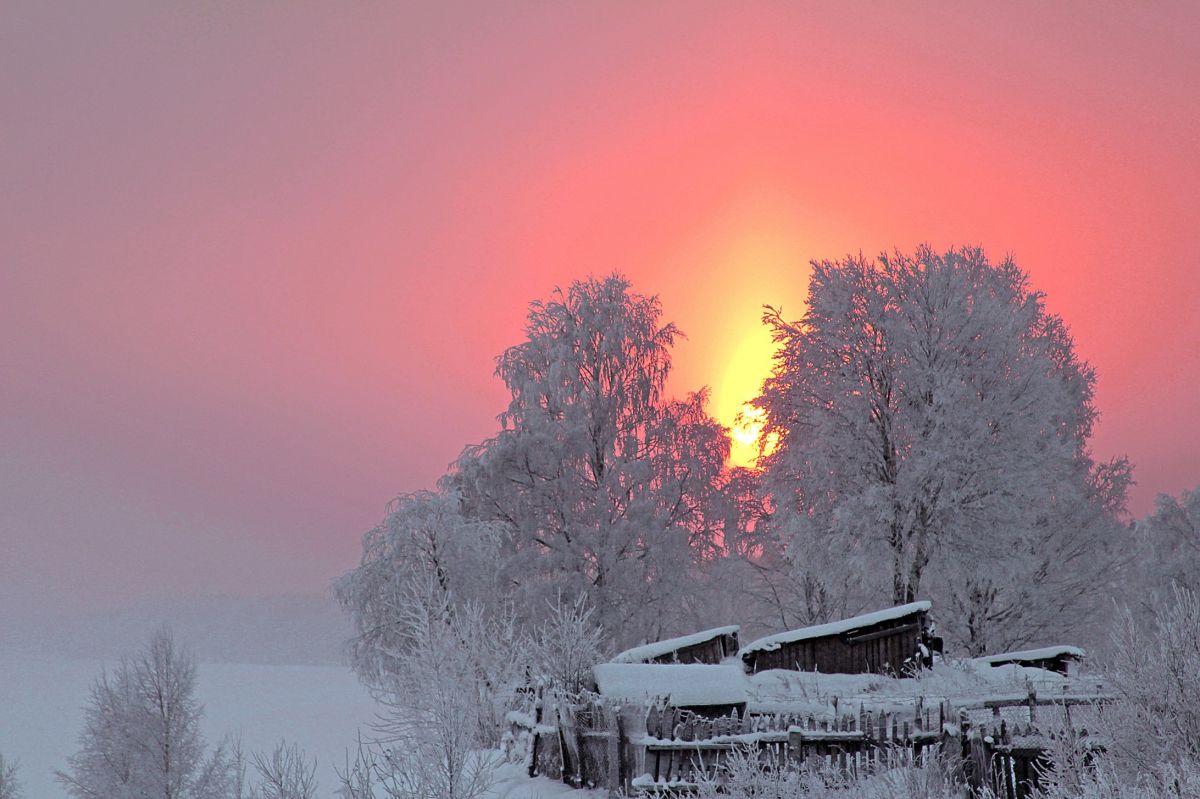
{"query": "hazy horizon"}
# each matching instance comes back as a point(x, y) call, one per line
point(256, 265)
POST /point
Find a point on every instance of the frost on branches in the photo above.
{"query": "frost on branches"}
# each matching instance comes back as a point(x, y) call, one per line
point(932, 420)
point(604, 486)
point(1171, 540)
point(1149, 736)
point(450, 683)
point(10, 787)
point(141, 735)
point(425, 540)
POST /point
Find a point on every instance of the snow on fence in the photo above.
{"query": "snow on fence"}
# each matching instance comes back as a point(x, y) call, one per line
point(1010, 759)
point(999, 741)
point(575, 738)
point(687, 748)
point(1006, 750)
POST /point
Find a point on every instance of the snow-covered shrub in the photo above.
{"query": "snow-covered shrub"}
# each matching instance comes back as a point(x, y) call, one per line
point(493, 650)
point(1151, 734)
point(567, 644)
point(9, 787)
point(748, 774)
point(1155, 672)
point(383, 770)
point(446, 691)
point(1073, 776)
point(286, 773)
point(357, 779)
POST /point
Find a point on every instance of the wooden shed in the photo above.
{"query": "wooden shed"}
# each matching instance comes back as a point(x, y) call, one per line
point(708, 646)
point(878, 643)
point(1059, 659)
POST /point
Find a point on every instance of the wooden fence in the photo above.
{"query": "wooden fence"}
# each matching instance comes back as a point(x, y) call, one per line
point(995, 742)
point(683, 749)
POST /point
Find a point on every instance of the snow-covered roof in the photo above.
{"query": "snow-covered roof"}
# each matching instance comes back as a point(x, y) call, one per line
point(648, 652)
point(687, 684)
point(1045, 653)
point(967, 682)
point(772, 642)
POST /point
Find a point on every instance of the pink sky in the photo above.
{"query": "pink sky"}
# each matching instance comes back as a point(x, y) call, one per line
point(256, 259)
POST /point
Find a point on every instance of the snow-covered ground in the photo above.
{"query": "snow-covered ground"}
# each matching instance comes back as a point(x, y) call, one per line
point(318, 707)
point(512, 783)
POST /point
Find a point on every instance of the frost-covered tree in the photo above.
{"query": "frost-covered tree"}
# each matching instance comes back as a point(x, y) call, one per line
point(424, 538)
point(10, 788)
point(444, 702)
point(1057, 581)
point(605, 486)
point(1171, 537)
point(932, 418)
point(141, 737)
point(755, 583)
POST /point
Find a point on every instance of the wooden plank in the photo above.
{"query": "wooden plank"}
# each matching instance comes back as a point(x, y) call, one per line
point(890, 632)
point(689, 746)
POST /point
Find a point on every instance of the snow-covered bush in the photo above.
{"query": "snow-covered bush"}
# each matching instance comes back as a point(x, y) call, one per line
point(9, 787)
point(1155, 672)
point(493, 650)
point(1073, 776)
point(1150, 735)
point(566, 645)
point(286, 773)
point(747, 774)
point(446, 693)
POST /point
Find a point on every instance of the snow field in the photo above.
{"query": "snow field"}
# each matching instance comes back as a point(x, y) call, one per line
point(318, 707)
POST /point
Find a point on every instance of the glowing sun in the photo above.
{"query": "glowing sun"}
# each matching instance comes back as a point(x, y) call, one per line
point(748, 365)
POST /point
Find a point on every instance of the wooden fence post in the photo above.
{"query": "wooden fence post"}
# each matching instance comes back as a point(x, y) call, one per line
point(537, 722)
point(612, 721)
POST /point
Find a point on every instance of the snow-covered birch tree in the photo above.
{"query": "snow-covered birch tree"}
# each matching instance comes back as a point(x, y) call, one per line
point(141, 737)
point(932, 420)
point(603, 484)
